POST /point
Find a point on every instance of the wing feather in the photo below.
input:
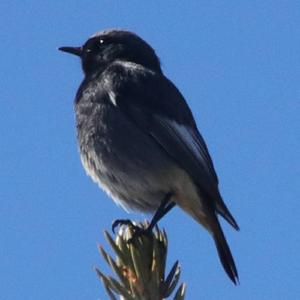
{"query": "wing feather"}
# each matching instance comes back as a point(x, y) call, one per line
point(157, 107)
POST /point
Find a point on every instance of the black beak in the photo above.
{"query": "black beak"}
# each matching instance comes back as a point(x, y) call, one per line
point(73, 50)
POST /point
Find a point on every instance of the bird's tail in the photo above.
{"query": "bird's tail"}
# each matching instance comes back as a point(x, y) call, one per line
point(224, 252)
point(206, 216)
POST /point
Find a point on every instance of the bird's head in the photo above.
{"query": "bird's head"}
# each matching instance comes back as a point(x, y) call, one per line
point(107, 46)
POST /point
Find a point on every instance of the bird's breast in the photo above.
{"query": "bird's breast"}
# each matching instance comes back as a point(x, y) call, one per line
point(123, 160)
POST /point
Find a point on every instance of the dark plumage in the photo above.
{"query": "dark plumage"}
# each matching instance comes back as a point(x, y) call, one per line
point(138, 139)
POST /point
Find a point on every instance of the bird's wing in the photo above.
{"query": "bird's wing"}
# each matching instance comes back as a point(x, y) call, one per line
point(157, 107)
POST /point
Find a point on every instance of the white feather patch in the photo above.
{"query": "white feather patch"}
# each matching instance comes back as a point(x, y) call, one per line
point(112, 97)
point(186, 134)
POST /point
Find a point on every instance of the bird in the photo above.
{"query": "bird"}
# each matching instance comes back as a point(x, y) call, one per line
point(138, 139)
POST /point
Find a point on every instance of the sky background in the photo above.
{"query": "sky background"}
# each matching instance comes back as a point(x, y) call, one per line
point(237, 64)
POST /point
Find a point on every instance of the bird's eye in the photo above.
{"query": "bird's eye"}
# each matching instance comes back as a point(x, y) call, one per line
point(101, 41)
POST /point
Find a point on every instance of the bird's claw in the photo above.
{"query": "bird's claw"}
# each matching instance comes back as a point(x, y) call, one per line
point(137, 230)
point(120, 222)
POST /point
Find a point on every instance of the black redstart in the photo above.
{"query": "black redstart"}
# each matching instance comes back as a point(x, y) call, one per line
point(138, 139)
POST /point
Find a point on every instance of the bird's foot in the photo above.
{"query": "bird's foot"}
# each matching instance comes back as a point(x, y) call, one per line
point(120, 222)
point(137, 230)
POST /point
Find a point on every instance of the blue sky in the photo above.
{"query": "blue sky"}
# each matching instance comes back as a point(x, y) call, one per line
point(237, 64)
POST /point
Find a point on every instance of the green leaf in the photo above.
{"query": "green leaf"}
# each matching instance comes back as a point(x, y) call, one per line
point(120, 288)
point(180, 294)
point(139, 266)
point(174, 282)
point(169, 286)
point(119, 252)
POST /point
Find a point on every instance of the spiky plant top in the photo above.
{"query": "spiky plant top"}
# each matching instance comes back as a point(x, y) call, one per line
point(140, 266)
